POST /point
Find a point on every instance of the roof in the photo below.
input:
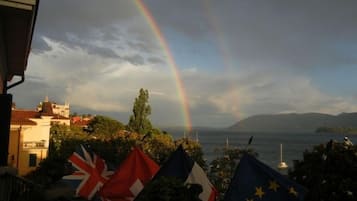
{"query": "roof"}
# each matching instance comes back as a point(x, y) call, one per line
point(81, 123)
point(18, 19)
point(22, 117)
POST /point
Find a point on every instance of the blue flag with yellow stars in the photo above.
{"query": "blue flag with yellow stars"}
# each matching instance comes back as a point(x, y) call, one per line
point(255, 181)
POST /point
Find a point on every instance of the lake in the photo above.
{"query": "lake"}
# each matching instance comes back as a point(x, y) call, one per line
point(267, 145)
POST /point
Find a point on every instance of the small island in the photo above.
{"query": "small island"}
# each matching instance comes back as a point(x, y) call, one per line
point(337, 130)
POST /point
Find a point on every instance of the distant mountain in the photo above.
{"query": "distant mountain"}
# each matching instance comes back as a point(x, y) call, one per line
point(307, 122)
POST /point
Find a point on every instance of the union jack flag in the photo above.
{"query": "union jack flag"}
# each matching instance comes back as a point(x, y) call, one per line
point(90, 172)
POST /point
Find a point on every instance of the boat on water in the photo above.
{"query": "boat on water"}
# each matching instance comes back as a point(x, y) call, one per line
point(282, 165)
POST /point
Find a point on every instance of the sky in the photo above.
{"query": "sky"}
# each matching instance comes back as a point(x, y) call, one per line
point(231, 59)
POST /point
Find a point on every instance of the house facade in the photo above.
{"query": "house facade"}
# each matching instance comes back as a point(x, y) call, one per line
point(30, 136)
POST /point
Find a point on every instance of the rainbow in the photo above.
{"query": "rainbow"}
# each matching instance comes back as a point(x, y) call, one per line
point(170, 61)
point(223, 48)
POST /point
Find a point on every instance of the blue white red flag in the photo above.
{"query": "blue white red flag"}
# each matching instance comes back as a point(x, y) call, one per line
point(253, 180)
point(130, 178)
point(90, 172)
point(180, 165)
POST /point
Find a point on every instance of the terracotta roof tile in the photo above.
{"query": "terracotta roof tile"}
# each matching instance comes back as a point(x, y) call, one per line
point(22, 117)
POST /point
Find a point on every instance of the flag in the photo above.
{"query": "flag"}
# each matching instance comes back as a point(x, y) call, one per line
point(180, 165)
point(90, 172)
point(254, 180)
point(131, 176)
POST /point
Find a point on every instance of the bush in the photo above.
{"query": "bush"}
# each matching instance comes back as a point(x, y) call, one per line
point(329, 172)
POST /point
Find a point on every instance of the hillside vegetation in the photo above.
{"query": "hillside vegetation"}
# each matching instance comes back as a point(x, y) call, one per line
point(307, 122)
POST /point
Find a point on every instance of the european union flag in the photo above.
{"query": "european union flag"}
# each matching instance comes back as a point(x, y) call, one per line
point(255, 181)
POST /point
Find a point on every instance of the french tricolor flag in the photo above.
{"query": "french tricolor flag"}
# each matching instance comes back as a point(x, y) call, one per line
point(180, 165)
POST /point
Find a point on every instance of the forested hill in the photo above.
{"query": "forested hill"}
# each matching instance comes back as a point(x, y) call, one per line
point(307, 122)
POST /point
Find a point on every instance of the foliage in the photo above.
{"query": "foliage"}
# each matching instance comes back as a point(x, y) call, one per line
point(60, 133)
point(338, 130)
point(329, 172)
point(170, 189)
point(104, 127)
point(193, 149)
point(159, 147)
point(222, 168)
point(139, 121)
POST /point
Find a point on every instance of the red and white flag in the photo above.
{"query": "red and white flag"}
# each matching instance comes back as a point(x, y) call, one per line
point(131, 176)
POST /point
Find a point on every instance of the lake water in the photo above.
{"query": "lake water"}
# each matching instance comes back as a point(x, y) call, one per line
point(267, 145)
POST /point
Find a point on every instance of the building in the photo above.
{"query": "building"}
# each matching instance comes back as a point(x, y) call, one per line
point(30, 136)
point(29, 139)
point(81, 121)
point(17, 22)
point(58, 109)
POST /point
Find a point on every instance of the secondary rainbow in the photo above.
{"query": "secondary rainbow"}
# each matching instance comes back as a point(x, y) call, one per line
point(170, 61)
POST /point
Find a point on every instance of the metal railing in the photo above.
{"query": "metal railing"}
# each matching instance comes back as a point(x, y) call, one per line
point(15, 188)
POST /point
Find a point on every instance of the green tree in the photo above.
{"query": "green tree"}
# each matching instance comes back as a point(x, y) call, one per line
point(60, 133)
point(139, 121)
point(104, 127)
point(193, 149)
point(328, 171)
point(223, 167)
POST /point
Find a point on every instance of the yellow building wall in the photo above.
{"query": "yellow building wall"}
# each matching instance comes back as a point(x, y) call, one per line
point(34, 139)
point(14, 144)
point(24, 162)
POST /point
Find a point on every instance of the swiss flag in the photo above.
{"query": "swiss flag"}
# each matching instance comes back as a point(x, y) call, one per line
point(129, 179)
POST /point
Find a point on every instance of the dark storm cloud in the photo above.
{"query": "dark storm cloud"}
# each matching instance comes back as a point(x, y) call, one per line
point(82, 23)
point(275, 33)
point(143, 46)
point(59, 17)
point(155, 60)
point(101, 51)
point(38, 91)
point(135, 59)
point(187, 17)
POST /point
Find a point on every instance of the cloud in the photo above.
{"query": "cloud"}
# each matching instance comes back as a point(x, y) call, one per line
point(106, 85)
point(268, 34)
point(109, 29)
point(226, 98)
point(96, 83)
point(99, 54)
point(155, 60)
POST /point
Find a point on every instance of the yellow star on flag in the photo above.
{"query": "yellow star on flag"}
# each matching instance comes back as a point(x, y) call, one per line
point(292, 191)
point(273, 186)
point(259, 192)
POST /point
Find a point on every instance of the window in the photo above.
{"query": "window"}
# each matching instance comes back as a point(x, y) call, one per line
point(32, 160)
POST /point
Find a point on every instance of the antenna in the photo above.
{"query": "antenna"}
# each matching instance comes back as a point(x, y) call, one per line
point(281, 152)
point(227, 143)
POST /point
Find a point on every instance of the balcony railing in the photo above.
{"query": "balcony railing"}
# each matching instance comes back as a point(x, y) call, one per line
point(34, 144)
point(15, 188)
